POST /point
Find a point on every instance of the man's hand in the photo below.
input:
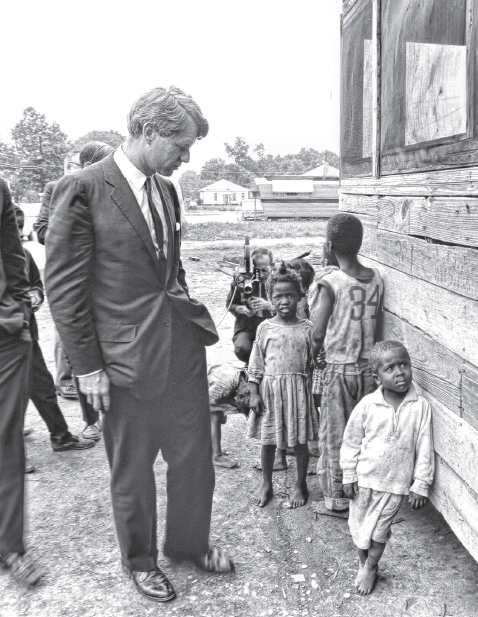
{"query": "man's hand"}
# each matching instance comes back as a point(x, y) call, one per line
point(259, 304)
point(97, 390)
point(244, 310)
point(417, 501)
point(36, 300)
point(351, 490)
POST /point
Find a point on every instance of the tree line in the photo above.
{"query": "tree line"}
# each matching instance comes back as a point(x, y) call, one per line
point(244, 168)
point(36, 153)
point(37, 150)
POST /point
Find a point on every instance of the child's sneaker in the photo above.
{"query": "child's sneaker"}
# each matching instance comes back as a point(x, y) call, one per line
point(21, 567)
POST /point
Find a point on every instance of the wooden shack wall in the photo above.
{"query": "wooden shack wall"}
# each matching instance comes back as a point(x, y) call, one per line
point(421, 232)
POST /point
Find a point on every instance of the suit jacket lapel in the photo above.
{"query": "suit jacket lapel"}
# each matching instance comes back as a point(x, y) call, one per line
point(124, 198)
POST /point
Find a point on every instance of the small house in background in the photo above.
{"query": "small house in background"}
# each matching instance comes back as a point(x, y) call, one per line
point(223, 192)
point(307, 196)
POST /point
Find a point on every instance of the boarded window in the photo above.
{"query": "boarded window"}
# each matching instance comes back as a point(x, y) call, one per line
point(424, 86)
point(428, 86)
point(356, 99)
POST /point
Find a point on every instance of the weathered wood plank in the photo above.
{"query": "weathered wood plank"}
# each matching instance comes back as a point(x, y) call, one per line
point(394, 213)
point(458, 503)
point(451, 220)
point(350, 8)
point(435, 369)
point(455, 441)
point(433, 183)
point(435, 92)
point(445, 316)
point(470, 396)
point(454, 268)
point(359, 204)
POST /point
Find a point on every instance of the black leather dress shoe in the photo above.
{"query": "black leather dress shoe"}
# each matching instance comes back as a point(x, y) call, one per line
point(153, 584)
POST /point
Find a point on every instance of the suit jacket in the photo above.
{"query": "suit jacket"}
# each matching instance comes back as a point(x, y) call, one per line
point(41, 224)
point(108, 294)
point(15, 305)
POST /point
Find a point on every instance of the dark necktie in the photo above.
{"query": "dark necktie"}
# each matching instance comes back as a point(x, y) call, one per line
point(158, 225)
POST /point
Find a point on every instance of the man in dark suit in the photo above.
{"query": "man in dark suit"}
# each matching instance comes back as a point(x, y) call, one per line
point(15, 349)
point(134, 336)
point(63, 379)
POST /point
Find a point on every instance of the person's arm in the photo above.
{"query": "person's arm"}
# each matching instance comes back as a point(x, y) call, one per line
point(13, 258)
point(321, 317)
point(69, 253)
point(350, 450)
point(424, 461)
point(255, 371)
point(41, 224)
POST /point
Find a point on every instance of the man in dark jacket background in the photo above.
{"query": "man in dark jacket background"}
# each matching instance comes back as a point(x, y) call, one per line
point(15, 350)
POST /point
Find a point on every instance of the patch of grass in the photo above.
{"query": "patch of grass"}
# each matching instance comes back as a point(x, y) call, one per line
point(257, 229)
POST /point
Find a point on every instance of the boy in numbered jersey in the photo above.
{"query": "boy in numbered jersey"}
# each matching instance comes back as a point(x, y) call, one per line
point(350, 302)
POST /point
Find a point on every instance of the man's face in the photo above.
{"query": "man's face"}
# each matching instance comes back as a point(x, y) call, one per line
point(72, 164)
point(263, 267)
point(165, 154)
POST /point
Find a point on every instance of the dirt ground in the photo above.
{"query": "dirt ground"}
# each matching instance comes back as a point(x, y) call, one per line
point(425, 570)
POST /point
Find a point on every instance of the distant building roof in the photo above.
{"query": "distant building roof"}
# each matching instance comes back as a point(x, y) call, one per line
point(330, 172)
point(224, 185)
point(292, 186)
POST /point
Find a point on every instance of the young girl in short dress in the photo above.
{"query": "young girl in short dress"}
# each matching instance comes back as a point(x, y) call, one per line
point(280, 384)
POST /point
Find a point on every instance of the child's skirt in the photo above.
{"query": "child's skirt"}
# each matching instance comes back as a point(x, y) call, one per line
point(371, 516)
point(290, 417)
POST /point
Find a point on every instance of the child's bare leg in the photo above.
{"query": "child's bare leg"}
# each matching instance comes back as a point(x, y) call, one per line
point(301, 493)
point(280, 461)
point(363, 554)
point(267, 461)
point(218, 457)
point(369, 571)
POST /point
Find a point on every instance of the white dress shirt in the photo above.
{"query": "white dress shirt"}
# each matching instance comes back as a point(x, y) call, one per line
point(137, 181)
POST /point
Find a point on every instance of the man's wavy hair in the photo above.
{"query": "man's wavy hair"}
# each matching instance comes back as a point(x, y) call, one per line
point(168, 111)
point(283, 274)
point(377, 351)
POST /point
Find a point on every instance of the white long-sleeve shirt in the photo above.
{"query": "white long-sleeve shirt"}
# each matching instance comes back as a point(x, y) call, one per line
point(388, 450)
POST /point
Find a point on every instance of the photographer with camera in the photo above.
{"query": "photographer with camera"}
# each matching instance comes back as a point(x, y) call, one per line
point(247, 301)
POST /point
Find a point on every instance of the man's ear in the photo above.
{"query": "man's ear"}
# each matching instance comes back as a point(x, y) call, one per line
point(148, 132)
point(376, 378)
point(329, 247)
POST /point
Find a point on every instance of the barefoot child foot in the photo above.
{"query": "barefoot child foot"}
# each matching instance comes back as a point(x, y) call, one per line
point(264, 496)
point(367, 576)
point(301, 495)
point(221, 460)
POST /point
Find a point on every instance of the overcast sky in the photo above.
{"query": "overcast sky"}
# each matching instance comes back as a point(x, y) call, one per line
point(266, 70)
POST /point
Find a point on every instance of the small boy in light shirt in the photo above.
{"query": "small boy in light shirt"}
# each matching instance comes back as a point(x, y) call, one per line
point(387, 453)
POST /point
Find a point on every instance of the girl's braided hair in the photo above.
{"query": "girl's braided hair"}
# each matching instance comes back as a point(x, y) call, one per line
point(283, 274)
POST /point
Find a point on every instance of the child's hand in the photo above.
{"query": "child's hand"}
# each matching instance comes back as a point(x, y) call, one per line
point(320, 360)
point(351, 490)
point(257, 404)
point(417, 501)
